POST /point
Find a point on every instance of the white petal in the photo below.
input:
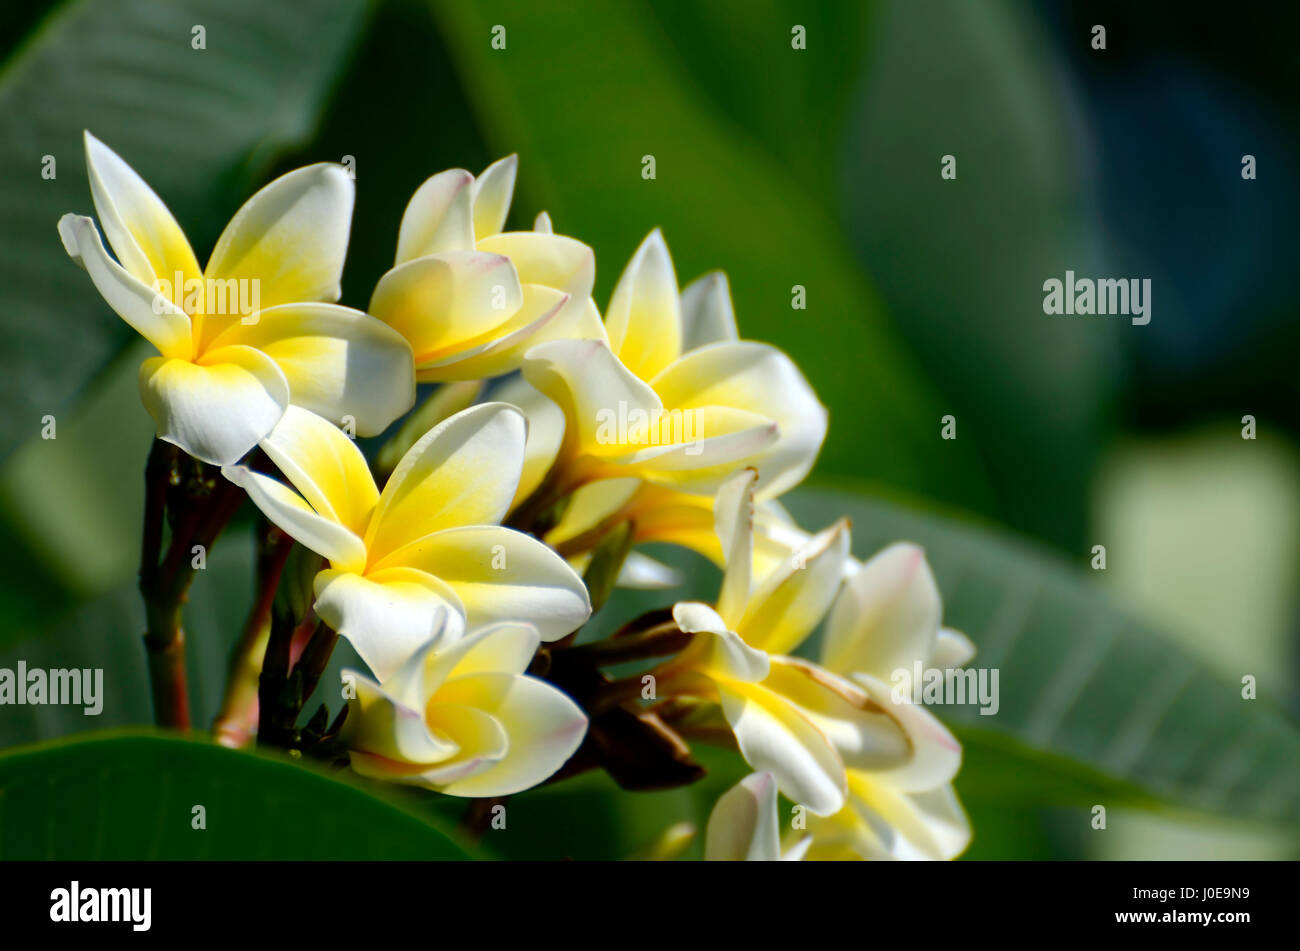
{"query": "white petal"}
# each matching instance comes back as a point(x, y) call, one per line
point(386, 615)
point(644, 319)
point(716, 651)
point(140, 229)
point(707, 314)
point(491, 194)
point(462, 472)
point(298, 520)
point(545, 431)
point(291, 237)
point(952, 649)
point(645, 574)
point(382, 725)
point(589, 383)
point(936, 753)
point(733, 515)
point(743, 825)
point(150, 314)
point(439, 217)
point(557, 261)
point(887, 616)
point(790, 602)
point(322, 463)
point(543, 725)
point(339, 362)
point(542, 223)
point(762, 380)
point(863, 731)
point(774, 736)
point(218, 411)
point(448, 302)
point(500, 574)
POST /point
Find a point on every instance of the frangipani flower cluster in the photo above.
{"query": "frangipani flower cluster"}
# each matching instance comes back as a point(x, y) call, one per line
point(451, 565)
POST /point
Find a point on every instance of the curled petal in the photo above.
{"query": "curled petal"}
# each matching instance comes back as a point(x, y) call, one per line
point(391, 734)
point(717, 651)
point(775, 736)
point(543, 728)
point(325, 466)
point(150, 314)
point(315, 530)
point(792, 600)
point(936, 753)
point(386, 615)
point(733, 514)
point(218, 410)
point(140, 229)
point(545, 432)
point(865, 733)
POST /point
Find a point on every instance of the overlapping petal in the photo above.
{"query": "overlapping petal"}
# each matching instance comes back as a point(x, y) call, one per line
point(218, 409)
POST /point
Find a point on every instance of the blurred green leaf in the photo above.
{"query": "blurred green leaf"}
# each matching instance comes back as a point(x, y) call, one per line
point(198, 124)
point(107, 632)
point(583, 94)
point(1081, 681)
point(962, 262)
point(132, 797)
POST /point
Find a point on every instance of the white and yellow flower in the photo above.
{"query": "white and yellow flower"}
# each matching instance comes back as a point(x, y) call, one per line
point(431, 540)
point(803, 724)
point(471, 298)
point(256, 330)
point(667, 393)
point(885, 620)
point(460, 715)
point(744, 826)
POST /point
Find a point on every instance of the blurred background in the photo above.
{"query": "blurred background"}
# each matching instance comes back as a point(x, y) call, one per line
point(817, 167)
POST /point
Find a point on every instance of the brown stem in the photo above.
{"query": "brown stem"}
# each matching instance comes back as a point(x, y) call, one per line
point(205, 505)
point(237, 719)
point(660, 641)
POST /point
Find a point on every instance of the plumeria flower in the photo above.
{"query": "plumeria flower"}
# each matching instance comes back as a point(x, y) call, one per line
point(471, 298)
point(254, 331)
point(790, 717)
point(886, 619)
point(461, 716)
point(744, 826)
point(669, 394)
point(431, 540)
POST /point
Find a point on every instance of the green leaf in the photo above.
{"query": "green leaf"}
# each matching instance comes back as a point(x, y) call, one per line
point(199, 124)
point(583, 94)
point(1138, 717)
point(133, 797)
